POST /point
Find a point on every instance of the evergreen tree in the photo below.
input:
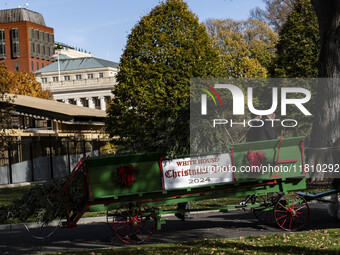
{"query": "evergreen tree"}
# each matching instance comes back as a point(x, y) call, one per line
point(150, 108)
point(297, 53)
point(298, 48)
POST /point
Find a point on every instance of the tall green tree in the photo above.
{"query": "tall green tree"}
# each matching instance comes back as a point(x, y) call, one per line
point(298, 48)
point(150, 108)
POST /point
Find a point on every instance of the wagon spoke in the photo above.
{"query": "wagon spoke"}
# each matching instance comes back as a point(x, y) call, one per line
point(286, 203)
point(290, 223)
point(138, 210)
point(284, 222)
point(300, 208)
point(298, 218)
point(122, 226)
point(283, 206)
point(296, 203)
point(281, 217)
point(128, 212)
point(142, 228)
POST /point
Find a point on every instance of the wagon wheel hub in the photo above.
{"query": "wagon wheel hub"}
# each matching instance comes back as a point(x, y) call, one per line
point(292, 212)
point(134, 221)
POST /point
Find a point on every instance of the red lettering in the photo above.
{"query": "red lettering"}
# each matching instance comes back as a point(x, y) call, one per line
point(169, 173)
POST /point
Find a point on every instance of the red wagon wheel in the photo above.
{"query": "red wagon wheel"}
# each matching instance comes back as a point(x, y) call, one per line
point(133, 224)
point(291, 212)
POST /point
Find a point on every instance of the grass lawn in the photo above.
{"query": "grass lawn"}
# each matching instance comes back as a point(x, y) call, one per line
point(311, 242)
point(7, 195)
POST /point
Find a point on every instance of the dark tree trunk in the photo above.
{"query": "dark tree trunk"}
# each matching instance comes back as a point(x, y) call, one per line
point(326, 125)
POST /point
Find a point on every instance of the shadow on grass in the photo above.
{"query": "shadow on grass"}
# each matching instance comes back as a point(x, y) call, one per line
point(217, 247)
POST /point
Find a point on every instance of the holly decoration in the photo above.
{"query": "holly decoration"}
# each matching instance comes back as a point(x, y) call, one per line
point(126, 175)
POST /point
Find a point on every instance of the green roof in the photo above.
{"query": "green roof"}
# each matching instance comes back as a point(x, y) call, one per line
point(77, 64)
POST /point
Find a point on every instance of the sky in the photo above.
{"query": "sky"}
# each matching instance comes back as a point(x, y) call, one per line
point(102, 26)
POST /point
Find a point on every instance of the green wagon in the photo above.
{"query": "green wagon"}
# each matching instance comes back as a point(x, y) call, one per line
point(132, 187)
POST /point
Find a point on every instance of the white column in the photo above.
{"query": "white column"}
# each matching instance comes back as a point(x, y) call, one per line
point(102, 103)
point(65, 101)
point(91, 103)
point(78, 102)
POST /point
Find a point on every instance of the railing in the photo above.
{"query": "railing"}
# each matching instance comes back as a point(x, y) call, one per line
point(29, 159)
point(105, 81)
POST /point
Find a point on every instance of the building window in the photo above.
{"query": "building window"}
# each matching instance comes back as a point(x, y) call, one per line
point(2, 50)
point(44, 80)
point(32, 66)
point(66, 78)
point(84, 102)
point(15, 42)
point(37, 49)
point(16, 65)
point(41, 52)
point(96, 101)
point(42, 65)
point(32, 49)
point(15, 33)
point(78, 77)
point(55, 78)
point(2, 44)
point(37, 65)
point(107, 99)
point(90, 76)
point(101, 75)
point(2, 34)
point(72, 101)
point(30, 33)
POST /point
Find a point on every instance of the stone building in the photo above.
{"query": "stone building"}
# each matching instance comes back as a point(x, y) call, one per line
point(82, 81)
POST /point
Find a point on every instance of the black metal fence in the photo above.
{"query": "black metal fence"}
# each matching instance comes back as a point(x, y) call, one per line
point(35, 159)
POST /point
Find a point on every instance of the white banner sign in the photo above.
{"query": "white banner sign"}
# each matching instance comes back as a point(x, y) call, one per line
point(197, 171)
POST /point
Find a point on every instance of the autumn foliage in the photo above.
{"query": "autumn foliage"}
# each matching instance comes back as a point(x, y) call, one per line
point(245, 47)
point(21, 83)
